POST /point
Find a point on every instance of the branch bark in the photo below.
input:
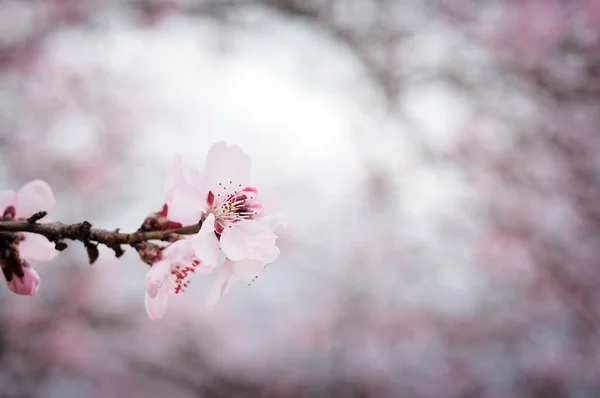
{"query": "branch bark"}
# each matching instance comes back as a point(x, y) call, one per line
point(58, 232)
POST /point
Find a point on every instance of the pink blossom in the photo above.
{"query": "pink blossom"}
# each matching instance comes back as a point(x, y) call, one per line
point(242, 270)
point(27, 285)
point(593, 14)
point(223, 192)
point(33, 197)
point(222, 199)
point(230, 271)
point(170, 275)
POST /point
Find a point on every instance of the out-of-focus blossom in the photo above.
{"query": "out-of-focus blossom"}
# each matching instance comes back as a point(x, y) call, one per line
point(170, 275)
point(33, 197)
point(28, 284)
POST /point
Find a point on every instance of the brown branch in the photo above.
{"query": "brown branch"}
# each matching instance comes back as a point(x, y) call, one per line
point(57, 232)
point(37, 216)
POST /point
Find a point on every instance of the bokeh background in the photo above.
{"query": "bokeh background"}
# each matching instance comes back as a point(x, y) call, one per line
point(440, 161)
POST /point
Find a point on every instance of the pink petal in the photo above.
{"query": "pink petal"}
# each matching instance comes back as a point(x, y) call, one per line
point(152, 288)
point(276, 221)
point(157, 307)
point(227, 168)
point(249, 193)
point(182, 253)
point(249, 239)
point(157, 290)
point(179, 251)
point(203, 269)
point(270, 253)
point(185, 191)
point(158, 272)
point(206, 244)
point(247, 270)
point(256, 207)
point(220, 285)
point(34, 196)
point(194, 179)
point(28, 285)
point(184, 207)
point(37, 247)
point(7, 198)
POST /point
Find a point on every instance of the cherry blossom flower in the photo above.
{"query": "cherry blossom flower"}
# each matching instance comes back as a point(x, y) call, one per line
point(34, 196)
point(222, 191)
point(28, 284)
point(233, 220)
point(170, 275)
point(244, 270)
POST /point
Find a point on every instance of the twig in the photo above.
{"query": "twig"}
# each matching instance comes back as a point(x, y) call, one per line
point(37, 216)
point(57, 232)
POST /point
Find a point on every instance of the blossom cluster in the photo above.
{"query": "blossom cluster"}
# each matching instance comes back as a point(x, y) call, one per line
point(16, 250)
point(235, 238)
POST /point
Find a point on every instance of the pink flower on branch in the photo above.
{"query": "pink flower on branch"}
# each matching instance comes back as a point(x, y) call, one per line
point(244, 270)
point(223, 201)
point(26, 285)
point(217, 205)
point(33, 197)
point(170, 275)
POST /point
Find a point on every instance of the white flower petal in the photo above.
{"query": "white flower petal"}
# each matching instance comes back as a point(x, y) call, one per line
point(249, 239)
point(184, 207)
point(157, 306)
point(247, 270)
point(220, 284)
point(227, 168)
point(152, 288)
point(158, 272)
point(179, 251)
point(206, 244)
point(276, 220)
point(34, 196)
point(37, 247)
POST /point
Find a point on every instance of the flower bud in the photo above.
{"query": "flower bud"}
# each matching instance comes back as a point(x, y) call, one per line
point(27, 285)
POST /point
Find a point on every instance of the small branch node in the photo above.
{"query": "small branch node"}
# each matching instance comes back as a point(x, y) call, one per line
point(118, 251)
point(37, 216)
point(92, 252)
point(85, 229)
point(60, 245)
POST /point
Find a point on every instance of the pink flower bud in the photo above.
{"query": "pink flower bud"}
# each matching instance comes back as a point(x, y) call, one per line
point(9, 212)
point(27, 285)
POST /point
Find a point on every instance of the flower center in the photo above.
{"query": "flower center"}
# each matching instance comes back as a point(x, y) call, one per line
point(229, 208)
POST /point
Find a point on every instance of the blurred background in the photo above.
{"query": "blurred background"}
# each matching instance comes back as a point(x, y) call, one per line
point(440, 161)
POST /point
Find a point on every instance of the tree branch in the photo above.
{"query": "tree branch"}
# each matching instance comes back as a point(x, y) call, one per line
point(57, 232)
